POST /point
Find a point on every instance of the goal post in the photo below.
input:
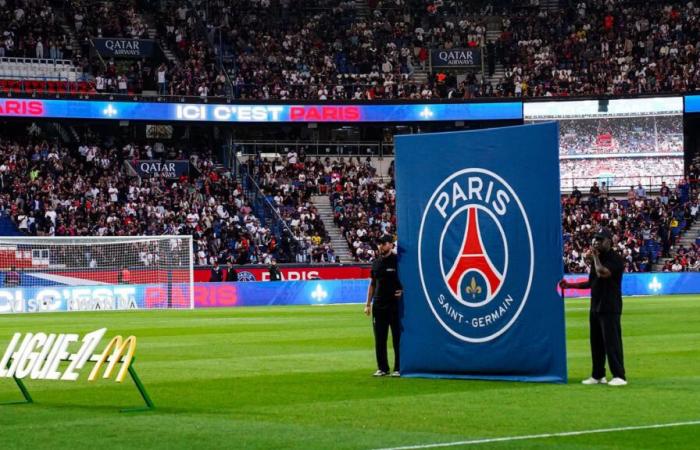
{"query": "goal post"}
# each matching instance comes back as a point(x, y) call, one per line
point(93, 273)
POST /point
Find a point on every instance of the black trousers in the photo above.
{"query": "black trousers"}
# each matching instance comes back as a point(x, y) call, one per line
point(606, 340)
point(382, 320)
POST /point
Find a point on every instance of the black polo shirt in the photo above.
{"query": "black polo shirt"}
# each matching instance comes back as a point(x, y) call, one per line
point(385, 280)
point(606, 293)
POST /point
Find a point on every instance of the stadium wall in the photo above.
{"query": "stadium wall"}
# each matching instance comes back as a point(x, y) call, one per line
point(651, 283)
point(298, 292)
point(155, 296)
point(294, 272)
point(309, 272)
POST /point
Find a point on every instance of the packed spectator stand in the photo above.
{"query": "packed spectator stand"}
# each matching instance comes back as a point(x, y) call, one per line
point(643, 134)
point(345, 50)
point(645, 227)
point(341, 50)
point(31, 29)
point(601, 48)
point(364, 205)
point(50, 189)
point(288, 182)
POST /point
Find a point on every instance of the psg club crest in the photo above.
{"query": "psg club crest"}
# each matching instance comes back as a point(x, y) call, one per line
point(475, 255)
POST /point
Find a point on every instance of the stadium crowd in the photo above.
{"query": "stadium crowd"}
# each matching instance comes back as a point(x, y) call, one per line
point(364, 206)
point(197, 73)
point(49, 189)
point(288, 184)
point(644, 227)
point(623, 171)
point(592, 47)
point(330, 49)
point(91, 19)
point(31, 29)
point(655, 134)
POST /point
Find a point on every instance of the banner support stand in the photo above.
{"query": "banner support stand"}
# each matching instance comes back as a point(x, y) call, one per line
point(150, 406)
point(25, 393)
point(142, 391)
point(22, 388)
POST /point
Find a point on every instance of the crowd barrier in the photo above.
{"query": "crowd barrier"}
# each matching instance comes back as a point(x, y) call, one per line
point(298, 292)
point(155, 296)
point(291, 272)
point(653, 283)
point(213, 295)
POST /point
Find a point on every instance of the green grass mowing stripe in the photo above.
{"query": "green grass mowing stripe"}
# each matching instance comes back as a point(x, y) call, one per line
point(298, 377)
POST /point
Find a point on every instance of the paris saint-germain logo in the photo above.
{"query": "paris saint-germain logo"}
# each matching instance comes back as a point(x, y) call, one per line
point(245, 276)
point(475, 255)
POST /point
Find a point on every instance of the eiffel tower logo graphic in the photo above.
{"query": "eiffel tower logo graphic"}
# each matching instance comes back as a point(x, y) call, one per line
point(473, 257)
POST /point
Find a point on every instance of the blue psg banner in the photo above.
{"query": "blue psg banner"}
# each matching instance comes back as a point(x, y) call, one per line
point(480, 254)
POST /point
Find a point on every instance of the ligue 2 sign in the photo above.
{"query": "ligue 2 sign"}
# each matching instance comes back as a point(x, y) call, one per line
point(38, 356)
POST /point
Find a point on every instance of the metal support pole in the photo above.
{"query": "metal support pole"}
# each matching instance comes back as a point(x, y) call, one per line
point(142, 390)
point(25, 394)
point(132, 372)
point(23, 389)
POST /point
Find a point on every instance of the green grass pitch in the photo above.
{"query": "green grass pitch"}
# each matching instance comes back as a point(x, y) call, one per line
point(299, 377)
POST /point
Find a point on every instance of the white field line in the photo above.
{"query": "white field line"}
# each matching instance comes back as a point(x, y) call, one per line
point(546, 435)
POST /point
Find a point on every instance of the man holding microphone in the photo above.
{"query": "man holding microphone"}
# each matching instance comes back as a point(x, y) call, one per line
point(605, 282)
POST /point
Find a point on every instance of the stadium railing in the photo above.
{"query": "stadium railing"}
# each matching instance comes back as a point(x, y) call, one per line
point(263, 209)
point(154, 96)
point(620, 184)
point(313, 148)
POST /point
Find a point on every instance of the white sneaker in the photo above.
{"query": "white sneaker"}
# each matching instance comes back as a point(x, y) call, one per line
point(592, 380)
point(617, 382)
point(379, 373)
point(395, 373)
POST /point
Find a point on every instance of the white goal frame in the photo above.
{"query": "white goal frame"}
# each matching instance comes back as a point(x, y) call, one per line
point(37, 263)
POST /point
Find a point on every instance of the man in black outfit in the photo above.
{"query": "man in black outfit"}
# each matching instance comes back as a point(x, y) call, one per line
point(232, 274)
point(383, 297)
point(274, 271)
point(216, 275)
point(605, 282)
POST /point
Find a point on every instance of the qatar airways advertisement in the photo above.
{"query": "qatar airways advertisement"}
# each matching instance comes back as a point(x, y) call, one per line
point(247, 113)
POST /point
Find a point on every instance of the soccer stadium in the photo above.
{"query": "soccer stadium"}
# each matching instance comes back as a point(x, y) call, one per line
point(349, 224)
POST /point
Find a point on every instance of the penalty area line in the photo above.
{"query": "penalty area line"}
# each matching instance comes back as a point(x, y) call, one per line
point(546, 435)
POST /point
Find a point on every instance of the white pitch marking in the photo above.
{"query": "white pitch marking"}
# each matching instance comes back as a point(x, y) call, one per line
point(546, 435)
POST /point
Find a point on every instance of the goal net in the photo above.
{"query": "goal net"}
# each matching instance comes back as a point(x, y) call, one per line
point(39, 274)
